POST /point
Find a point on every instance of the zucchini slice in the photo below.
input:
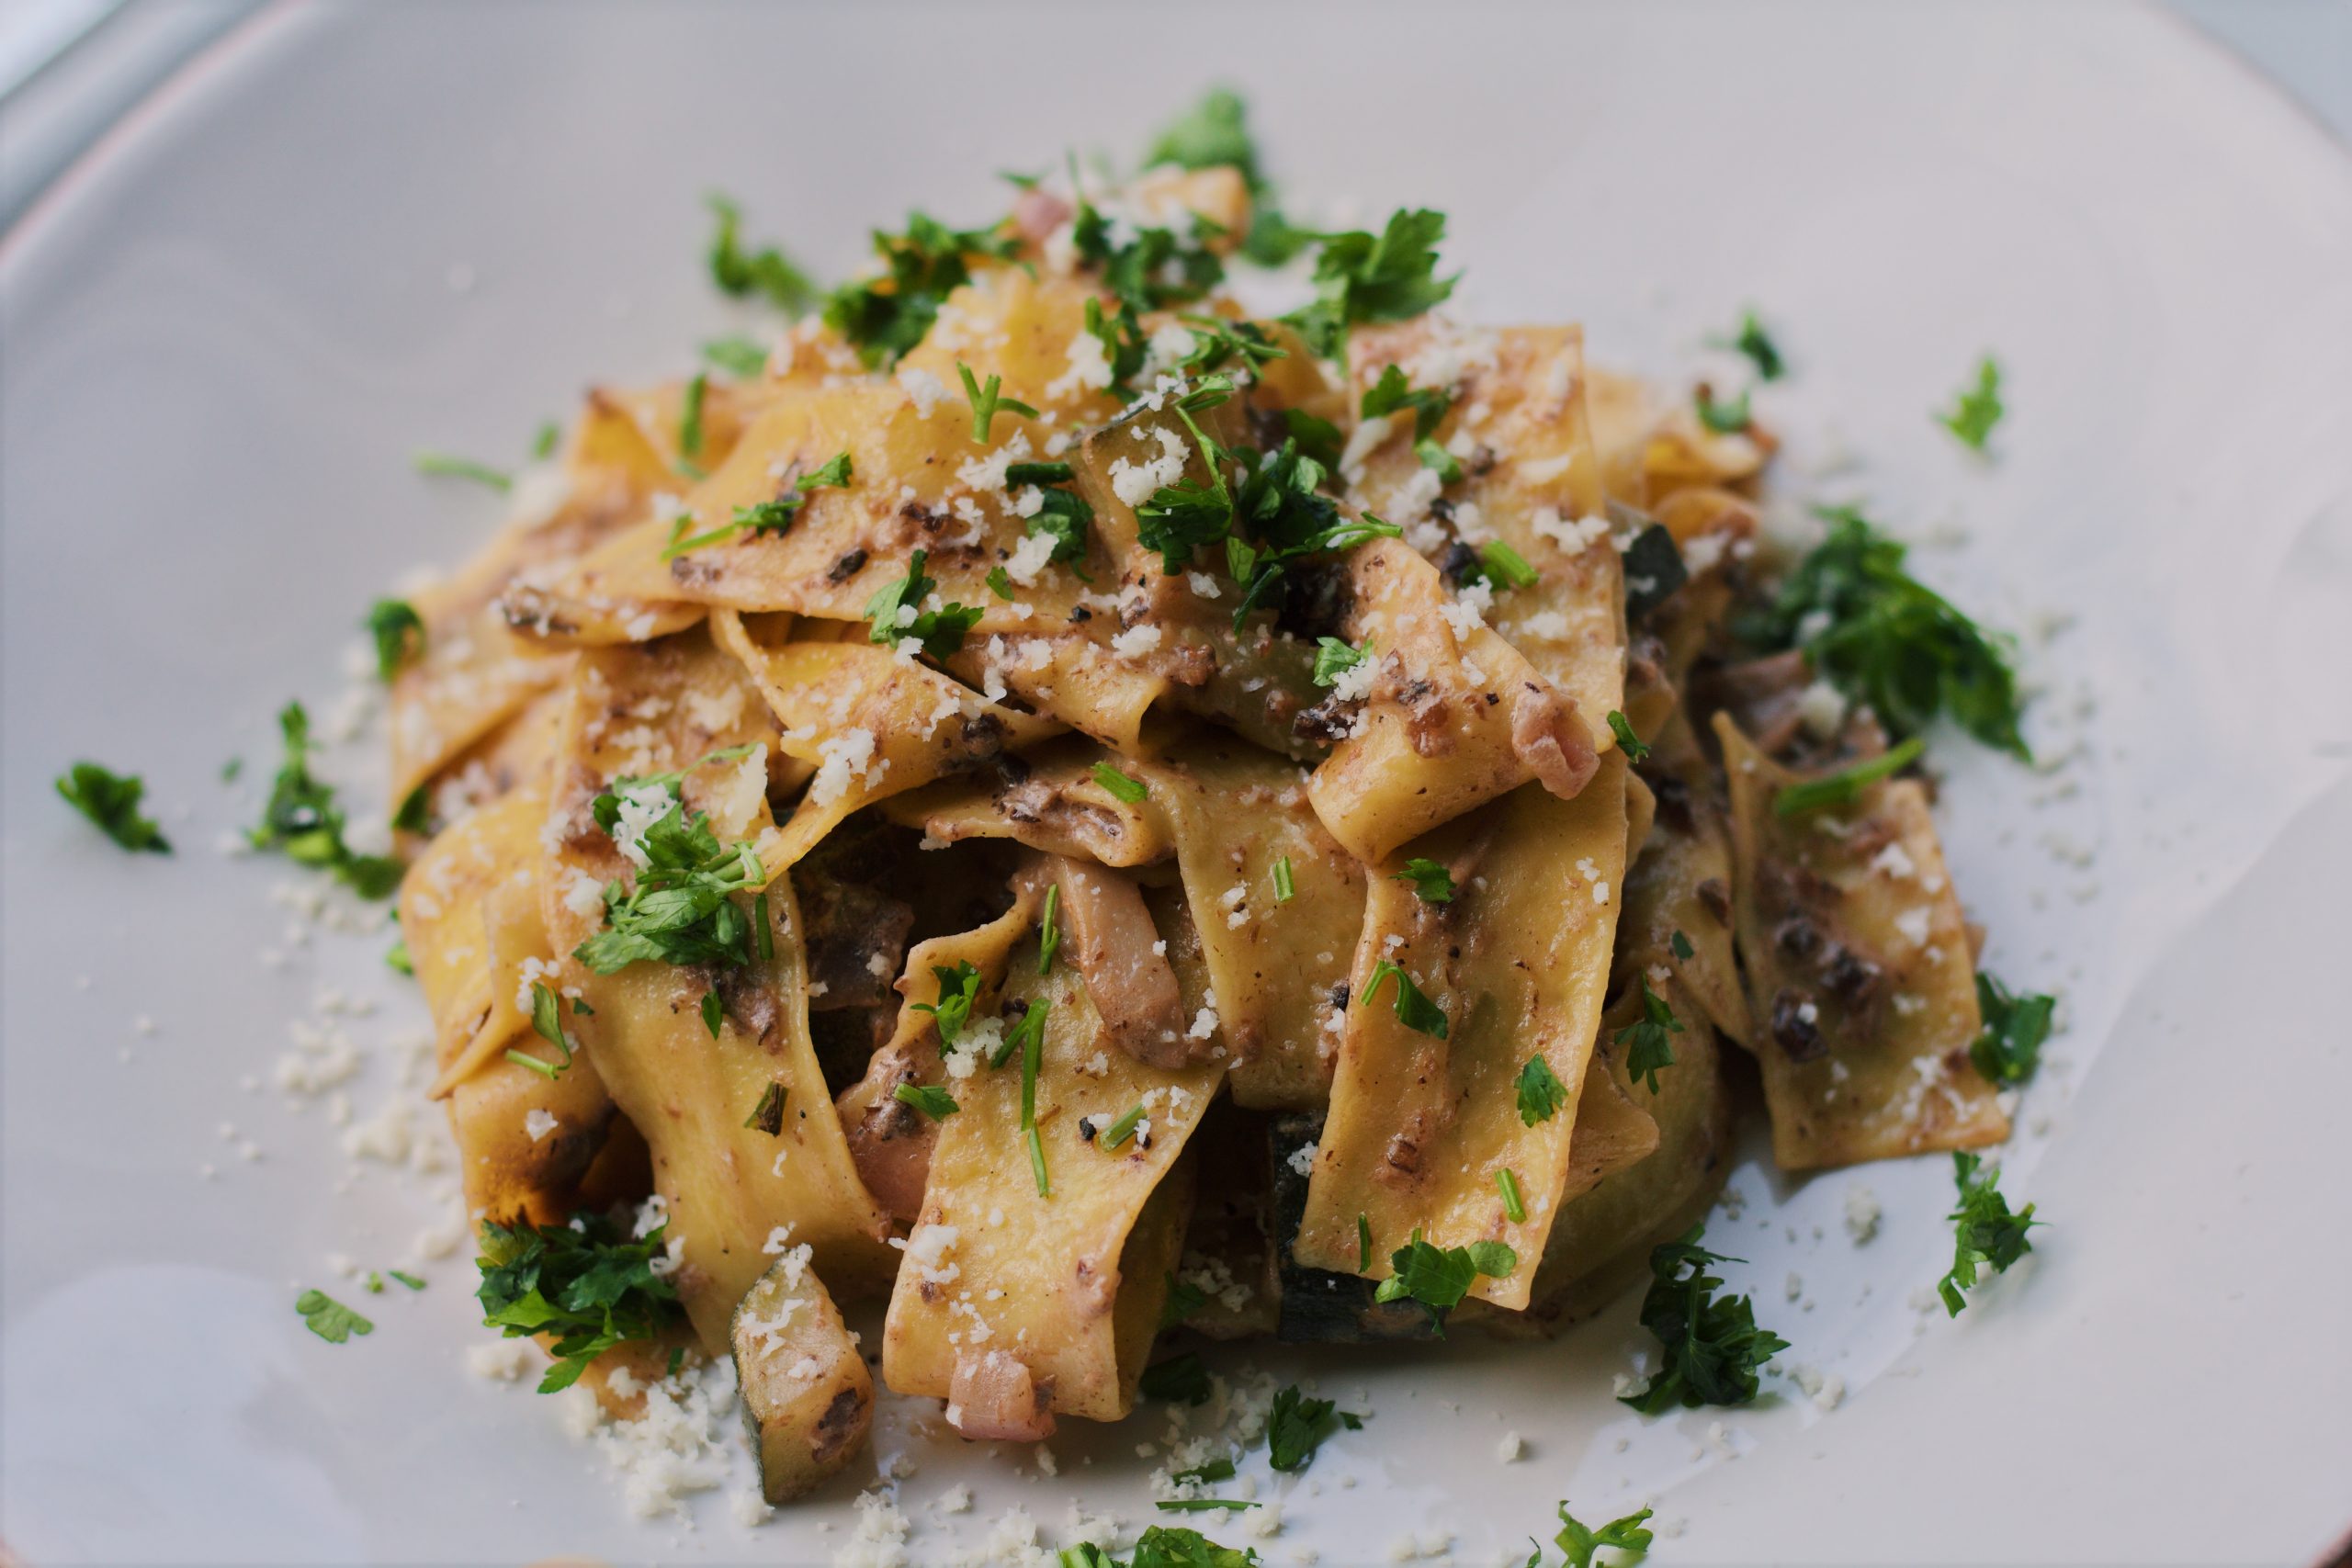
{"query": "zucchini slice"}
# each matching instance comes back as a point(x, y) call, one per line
point(808, 1399)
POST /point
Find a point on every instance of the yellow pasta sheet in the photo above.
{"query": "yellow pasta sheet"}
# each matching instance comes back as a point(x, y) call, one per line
point(1859, 972)
point(738, 1193)
point(1009, 1294)
point(1419, 1127)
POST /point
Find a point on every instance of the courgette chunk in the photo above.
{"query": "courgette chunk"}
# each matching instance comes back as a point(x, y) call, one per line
point(808, 1398)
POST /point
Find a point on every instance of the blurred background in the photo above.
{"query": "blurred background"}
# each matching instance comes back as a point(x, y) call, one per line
point(71, 68)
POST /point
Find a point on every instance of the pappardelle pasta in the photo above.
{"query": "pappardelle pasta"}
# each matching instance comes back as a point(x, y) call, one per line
point(1092, 815)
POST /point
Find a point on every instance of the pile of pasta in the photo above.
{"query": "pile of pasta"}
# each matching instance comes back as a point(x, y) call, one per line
point(1132, 811)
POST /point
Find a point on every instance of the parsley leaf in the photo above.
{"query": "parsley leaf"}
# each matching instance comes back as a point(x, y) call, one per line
point(328, 1318)
point(2010, 1047)
point(1162, 1547)
point(930, 1099)
point(1363, 278)
point(1431, 880)
point(1679, 945)
point(1712, 1346)
point(775, 515)
point(1541, 1093)
point(443, 466)
point(714, 1013)
point(1580, 1542)
point(893, 610)
point(1184, 1300)
point(1296, 1426)
point(1180, 1380)
point(1846, 785)
point(302, 822)
point(1439, 1277)
point(112, 801)
point(1880, 637)
point(1440, 462)
point(958, 989)
point(1334, 658)
point(1627, 741)
point(1646, 1046)
point(1210, 132)
point(987, 401)
point(884, 317)
point(738, 356)
point(763, 271)
point(1985, 1232)
point(590, 1283)
point(1653, 568)
point(399, 632)
point(1978, 410)
point(1119, 783)
point(1147, 268)
point(681, 911)
point(1414, 1010)
point(1724, 418)
point(1392, 392)
point(768, 1116)
point(1753, 341)
point(1177, 519)
point(546, 1022)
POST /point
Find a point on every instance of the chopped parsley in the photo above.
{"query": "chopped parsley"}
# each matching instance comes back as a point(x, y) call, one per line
point(765, 271)
point(738, 356)
point(1978, 409)
point(1881, 637)
point(546, 1022)
point(1119, 1131)
point(884, 316)
point(894, 610)
point(399, 632)
point(1147, 268)
point(682, 910)
point(1648, 1049)
point(1728, 418)
point(958, 989)
point(1033, 1057)
point(1212, 132)
point(1334, 657)
point(396, 959)
point(1049, 930)
point(328, 1318)
point(411, 1280)
point(1184, 1300)
point(1202, 1505)
point(1120, 784)
point(543, 443)
point(1285, 889)
point(988, 402)
point(772, 517)
point(1392, 393)
point(590, 1283)
point(1541, 1093)
point(302, 822)
point(1438, 1278)
point(1514, 1205)
point(1627, 741)
point(2008, 1048)
point(1984, 1230)
point(999, 583)
point(714, 1013)
point(930, 1099)
point(1414, 1010)
point(1756, 344)
point(1678, 944)
point(1296, 1426)
point(1712, 1345)
point(690, 415)
point(1360, 277)
point(1363, 1242)
point(1846, 785)
point(444, 465)
point(1439, 461)
point(1500, 567)
point(1580, 1542)
point(1178, 518)
point(111, 800)
point(1431, 880)
point(1179, 1380)
point(768, 1116)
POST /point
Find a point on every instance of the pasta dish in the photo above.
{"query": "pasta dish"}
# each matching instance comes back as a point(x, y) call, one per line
point(1088, 817)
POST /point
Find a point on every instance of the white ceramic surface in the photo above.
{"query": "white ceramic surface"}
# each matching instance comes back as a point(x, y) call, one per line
point(347, 233)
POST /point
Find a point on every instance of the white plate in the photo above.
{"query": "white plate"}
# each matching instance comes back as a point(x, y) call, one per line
point(349, 234)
